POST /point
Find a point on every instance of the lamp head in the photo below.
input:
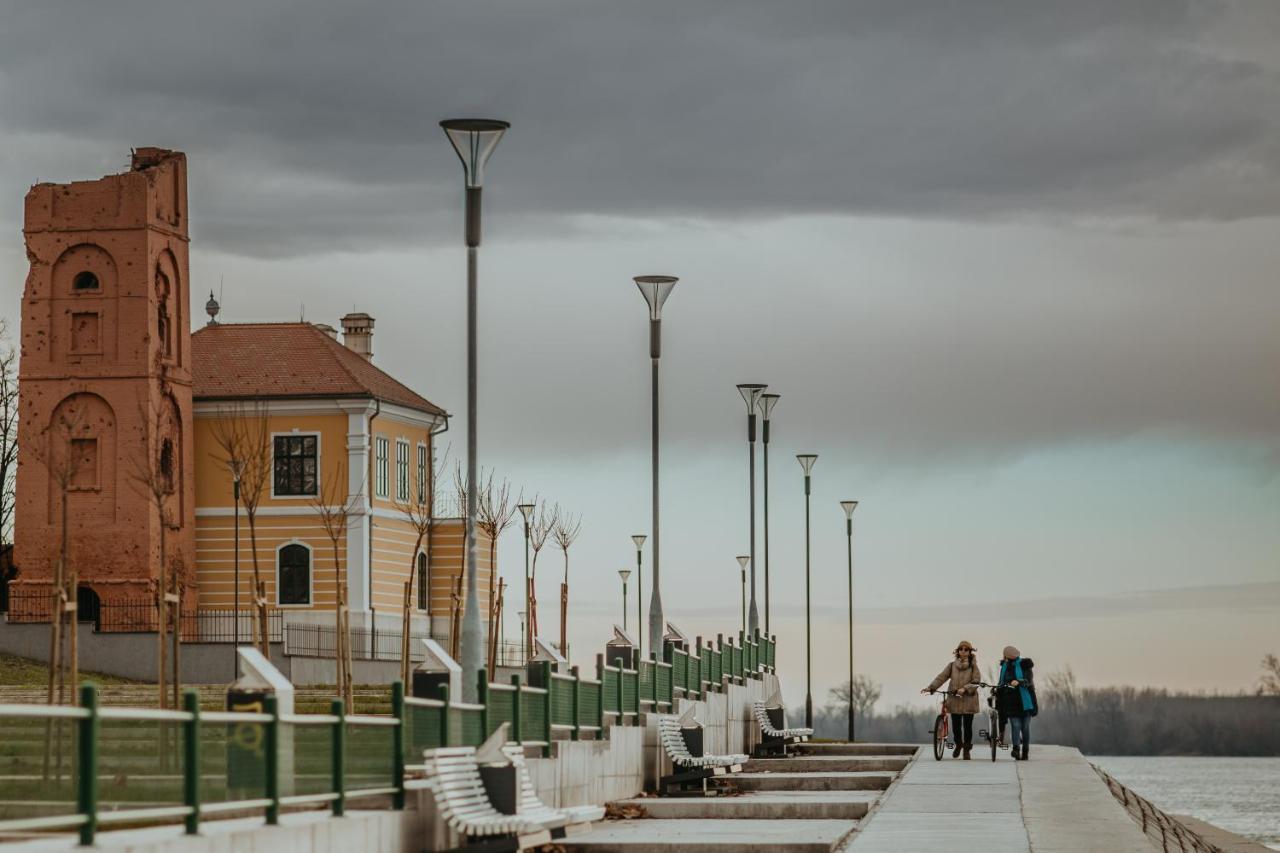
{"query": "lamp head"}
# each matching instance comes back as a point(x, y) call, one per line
point(526, 510)
point(655, 289)
point(750, 394)
point(624, 574)
point(742, 562)
point(766, 404)
point(474, 139)
point(639, 538)
point(848, 507)
point(806, 461)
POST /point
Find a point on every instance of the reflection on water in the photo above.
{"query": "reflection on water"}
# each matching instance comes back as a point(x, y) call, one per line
point(1241, 795)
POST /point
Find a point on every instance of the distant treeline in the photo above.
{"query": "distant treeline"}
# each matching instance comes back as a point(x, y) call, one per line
point(1103, 721)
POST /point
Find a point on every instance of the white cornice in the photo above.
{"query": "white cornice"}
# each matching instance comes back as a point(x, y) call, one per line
point(335, 406)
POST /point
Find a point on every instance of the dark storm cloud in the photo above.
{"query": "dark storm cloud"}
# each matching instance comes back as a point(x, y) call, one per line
point(312, 125)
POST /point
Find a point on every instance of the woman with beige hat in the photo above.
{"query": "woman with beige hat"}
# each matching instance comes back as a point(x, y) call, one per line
point(1016, 699)
point(960, 672)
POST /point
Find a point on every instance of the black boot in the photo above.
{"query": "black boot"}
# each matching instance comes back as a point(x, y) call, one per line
point(1025, 747)
point(967, 747)
point(955, 753)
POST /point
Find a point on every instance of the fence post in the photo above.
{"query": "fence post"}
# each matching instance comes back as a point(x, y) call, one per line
point(577, 710)
point(482, 697)
point(517, 711)
point(272, 764)
point(191, 761)
point(600, 695)
point(444, 715)
point(397, 744)
point(339, 710)
point(622, 708)
point(546, 706)
point(87, 789)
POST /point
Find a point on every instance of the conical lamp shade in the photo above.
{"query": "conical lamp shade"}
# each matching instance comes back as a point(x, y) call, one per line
point(474, 139)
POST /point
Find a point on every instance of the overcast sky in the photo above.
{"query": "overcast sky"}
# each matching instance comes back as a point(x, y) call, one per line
point(1013, 267)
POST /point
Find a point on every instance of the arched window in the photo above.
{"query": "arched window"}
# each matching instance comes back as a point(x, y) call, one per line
point(422, 581)
point(294, 574)
point(88, 605)
point(85, 281)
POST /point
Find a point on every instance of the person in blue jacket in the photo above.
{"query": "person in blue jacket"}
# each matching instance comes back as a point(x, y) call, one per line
point(1016, 700)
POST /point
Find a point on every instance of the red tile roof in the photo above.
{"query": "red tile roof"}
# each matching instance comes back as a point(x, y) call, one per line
point(275, 360)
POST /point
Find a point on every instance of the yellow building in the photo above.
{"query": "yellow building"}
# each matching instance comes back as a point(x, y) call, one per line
point(340, 433)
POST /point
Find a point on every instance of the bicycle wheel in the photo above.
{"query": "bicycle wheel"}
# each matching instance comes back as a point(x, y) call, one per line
point(939, 736)
point(994, 722)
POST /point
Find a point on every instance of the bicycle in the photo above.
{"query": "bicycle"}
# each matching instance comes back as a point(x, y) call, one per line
point(941, 730)
point(992, 734)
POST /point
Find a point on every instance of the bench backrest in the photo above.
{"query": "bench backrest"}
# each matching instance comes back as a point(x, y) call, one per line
point(454, 778)
point(529, 801)
point(673, 739)
point(762, 717)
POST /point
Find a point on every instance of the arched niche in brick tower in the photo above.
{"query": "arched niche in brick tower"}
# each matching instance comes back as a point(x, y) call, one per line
point(169, 449)
point(168, 322)
point(84, 296)
point(79, 444)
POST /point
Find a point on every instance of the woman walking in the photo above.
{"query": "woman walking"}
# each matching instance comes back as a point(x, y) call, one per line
point(960, 672)
point(1017, 701)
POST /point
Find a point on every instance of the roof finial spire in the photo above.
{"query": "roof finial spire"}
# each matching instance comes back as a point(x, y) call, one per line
point(212, 308)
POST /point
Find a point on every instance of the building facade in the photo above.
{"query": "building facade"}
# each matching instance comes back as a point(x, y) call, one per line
point(129, 420)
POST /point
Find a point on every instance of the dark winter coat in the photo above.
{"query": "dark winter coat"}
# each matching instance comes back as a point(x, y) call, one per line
point(1009, 700)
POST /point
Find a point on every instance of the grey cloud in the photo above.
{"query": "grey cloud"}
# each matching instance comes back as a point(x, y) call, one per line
point(312, 126)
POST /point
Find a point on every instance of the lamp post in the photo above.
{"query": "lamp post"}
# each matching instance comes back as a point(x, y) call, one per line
point(474, 140)
point(655, 289)
point(849, 507)
point(624, 574)
point(806, 461)
point(750, 395)
point(766, 404)
point(742, 566)
point(526, 511)
point(639, 538)
point(524, 657)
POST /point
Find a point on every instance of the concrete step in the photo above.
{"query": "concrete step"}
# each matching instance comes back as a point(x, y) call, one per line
point(812, 781)
point(828, 763)
point(760, 805)
point(713, 836)
point(856, 749)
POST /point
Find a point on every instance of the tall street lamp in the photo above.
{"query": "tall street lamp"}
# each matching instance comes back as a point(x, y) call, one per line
point(624, 574)
point(751, 395)
point(638, 539)
point(766, 404)
point(806, 461)
point(849, 507)
point(236, 472)
point(526, 510)
point(655, 289)
point(474, 139)
point(742, 566)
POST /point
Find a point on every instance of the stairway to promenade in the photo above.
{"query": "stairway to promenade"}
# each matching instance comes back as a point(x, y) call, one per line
point(811, 802)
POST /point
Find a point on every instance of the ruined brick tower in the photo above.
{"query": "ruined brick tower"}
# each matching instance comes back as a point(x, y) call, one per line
point(105, 379)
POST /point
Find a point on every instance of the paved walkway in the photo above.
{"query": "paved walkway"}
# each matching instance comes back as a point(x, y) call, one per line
point(1050, 804)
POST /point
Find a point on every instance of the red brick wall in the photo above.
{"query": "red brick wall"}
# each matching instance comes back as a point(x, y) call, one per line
point(99, 354)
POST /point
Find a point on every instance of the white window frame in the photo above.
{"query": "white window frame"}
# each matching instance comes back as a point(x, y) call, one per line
point(311, 575)
point(381, 476)
point(424, 472)
point(403, 483)
point(319, 464)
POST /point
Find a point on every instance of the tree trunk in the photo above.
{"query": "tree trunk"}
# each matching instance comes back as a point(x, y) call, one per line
point(162, 590)
point(262, 636)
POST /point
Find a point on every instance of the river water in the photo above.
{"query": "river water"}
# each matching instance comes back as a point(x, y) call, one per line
point(1241, 795)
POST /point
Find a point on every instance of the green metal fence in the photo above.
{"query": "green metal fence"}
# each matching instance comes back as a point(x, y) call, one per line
point(76, 768)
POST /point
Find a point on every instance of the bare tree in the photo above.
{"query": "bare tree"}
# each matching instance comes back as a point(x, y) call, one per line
point(243, 438)
point(863, 692)
point(496, 510)
point(565, 533)
point(334, 505)
point(419, 514)
point(1269, 682)
point(57, 450)
point(540, 527)
point(8, 432)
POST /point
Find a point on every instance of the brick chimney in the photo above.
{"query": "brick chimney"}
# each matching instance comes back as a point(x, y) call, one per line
point(357, 334)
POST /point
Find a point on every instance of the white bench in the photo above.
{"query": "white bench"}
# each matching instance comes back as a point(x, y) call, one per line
point(453, 777)
point(563, 821)
point(774, 740)
point(691, 769)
